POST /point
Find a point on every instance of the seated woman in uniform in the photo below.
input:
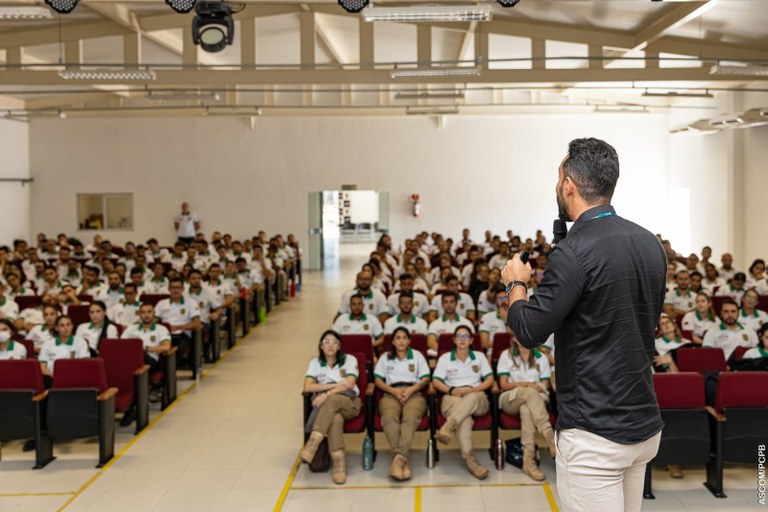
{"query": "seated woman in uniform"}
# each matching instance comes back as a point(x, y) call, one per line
point(332, 377)
point(99, 328)
point(761, 350)
point(46, 331)
point(524, 376)
point(670, 339)
point(464, 375)
point(750, 316)
point(9, 348)
point(63, 346)
point(401, 373)
point(701, 319)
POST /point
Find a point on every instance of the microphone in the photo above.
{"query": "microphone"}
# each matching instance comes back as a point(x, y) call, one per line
point(559, 230)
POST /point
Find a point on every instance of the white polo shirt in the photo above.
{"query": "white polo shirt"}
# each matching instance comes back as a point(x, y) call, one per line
point(204, 302)
point(755, 321)
point(324, 374)
point(156, 287)
point(730, 291)
point(762, 287)
point(111, 297)
point(463, 306)
point(682, 301)
point(454, 373)
point(415, 326)
point(14, 350)
point(177, 262)
point(368, 324)
point(23, 292)
point(445, 325)
point(40, 335)
point(177, 313)
point(248, 278)
point(410, 369)
point(9, 308)
point(755, 353)
point(492, 323)
point(125, 313)
point(91, 335)
point(95, 291)
point(664, 344)
point(420, 304)
point(518, 370)
point(727, 339)
point(186, 222)
point(219, 291)
point(374, 302)
point(52, 351)
point(153, 336)
point(32, 315)
point(485, 305)
point(709, 287)
point(693, 321)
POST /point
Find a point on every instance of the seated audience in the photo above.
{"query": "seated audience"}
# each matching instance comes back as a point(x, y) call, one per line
point(750, 316)
point(447, 323)
point(11, 349)
point(405, 316)
point(701, 319)
point(98, 329)
point(730, 333)
point(358, 322)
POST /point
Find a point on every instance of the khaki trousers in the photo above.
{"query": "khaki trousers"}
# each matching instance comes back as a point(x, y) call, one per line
point(331, 416)
point(461, 409)
point(598, 475)
point(399, 421)
point(531, 407)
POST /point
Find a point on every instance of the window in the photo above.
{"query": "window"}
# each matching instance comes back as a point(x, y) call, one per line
point(105, 211)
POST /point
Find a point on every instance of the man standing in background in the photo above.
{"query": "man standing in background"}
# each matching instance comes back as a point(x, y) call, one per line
point(186, 224)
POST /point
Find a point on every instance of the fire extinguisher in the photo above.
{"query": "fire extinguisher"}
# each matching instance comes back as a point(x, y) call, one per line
point(415, 206)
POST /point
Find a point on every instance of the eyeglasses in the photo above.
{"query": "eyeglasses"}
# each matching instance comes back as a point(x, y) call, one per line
point(502, 300)
point(750, 297)
point(330, 341)
point(463, 336)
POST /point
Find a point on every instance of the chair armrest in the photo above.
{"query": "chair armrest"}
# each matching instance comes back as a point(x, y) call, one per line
point(143, 369)
point(431, 391)
point(369, 390)
point(109, 393)
point(306, 393)
point(170, 351)
point(716, 415)
point(40, 396)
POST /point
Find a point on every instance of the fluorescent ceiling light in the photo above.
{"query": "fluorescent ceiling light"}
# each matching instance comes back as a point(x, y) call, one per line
point(429, 95)
point(108, 75)
point(429, 13)
point(673, 94)
point(750, 70)
point(431, 111)
point(433, 72)
point(631, 109)
point(25, 13)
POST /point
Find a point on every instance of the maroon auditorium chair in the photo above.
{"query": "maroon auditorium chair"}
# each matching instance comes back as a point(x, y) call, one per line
point(126, 371)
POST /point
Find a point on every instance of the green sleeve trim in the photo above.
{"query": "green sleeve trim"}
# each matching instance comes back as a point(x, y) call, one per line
point(311, 377)
point(483, 330)
point(379, 376)
point(486, 375)
point(504, 373)
point(352, 375)
point(438, 378)
point(425, 375)
point(544, 378)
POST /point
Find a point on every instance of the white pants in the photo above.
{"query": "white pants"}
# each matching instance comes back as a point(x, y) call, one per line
point(598, 475)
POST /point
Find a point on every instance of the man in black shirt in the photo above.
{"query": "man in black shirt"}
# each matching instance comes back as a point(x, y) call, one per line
point(602, 295)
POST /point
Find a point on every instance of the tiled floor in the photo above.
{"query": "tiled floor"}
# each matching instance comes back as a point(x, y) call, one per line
point(231, 442)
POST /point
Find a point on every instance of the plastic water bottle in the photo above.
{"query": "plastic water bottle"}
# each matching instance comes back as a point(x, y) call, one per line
point(367, 454)
point(431, 453)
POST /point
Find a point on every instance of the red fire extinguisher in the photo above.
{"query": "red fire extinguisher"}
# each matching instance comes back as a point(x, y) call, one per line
point(415, 205)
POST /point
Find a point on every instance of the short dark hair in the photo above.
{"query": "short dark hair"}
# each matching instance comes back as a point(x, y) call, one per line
point(593, 165)
point(728, 301)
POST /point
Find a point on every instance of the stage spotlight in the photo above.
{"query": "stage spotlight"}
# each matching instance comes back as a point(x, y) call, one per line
point(353, 6)
point(508, 3)
point(213, 28)
point(62, 6)
point(181, 6)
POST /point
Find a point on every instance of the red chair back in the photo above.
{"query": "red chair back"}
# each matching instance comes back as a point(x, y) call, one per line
point(80, 373)
point(358, 343)
point(85, 298)
point(28, 301)
point(445, 343)
point(21, 374)
point(501, 342)
point(738, 353)
point(679, 390)
point(151, 298)
point(742, 389)
point(30, 346)
point(700, 359)
point(122, 357)
point(79, 314)
point(717, 304)
point(418, 343)
point(762, 302)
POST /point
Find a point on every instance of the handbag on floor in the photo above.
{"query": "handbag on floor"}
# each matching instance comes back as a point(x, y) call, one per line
point(515, 453)
point(322, 461)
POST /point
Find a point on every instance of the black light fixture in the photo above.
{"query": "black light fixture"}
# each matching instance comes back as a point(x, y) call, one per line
point(508, 3)
point(181, 6)
point(353, 6)
point(62, 6)
point(213, 28)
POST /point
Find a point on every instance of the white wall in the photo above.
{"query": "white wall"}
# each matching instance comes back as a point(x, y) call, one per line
point(14, 198)
point(495, 172)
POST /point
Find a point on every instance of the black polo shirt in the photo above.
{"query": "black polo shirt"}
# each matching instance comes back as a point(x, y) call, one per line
point(602, 295)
